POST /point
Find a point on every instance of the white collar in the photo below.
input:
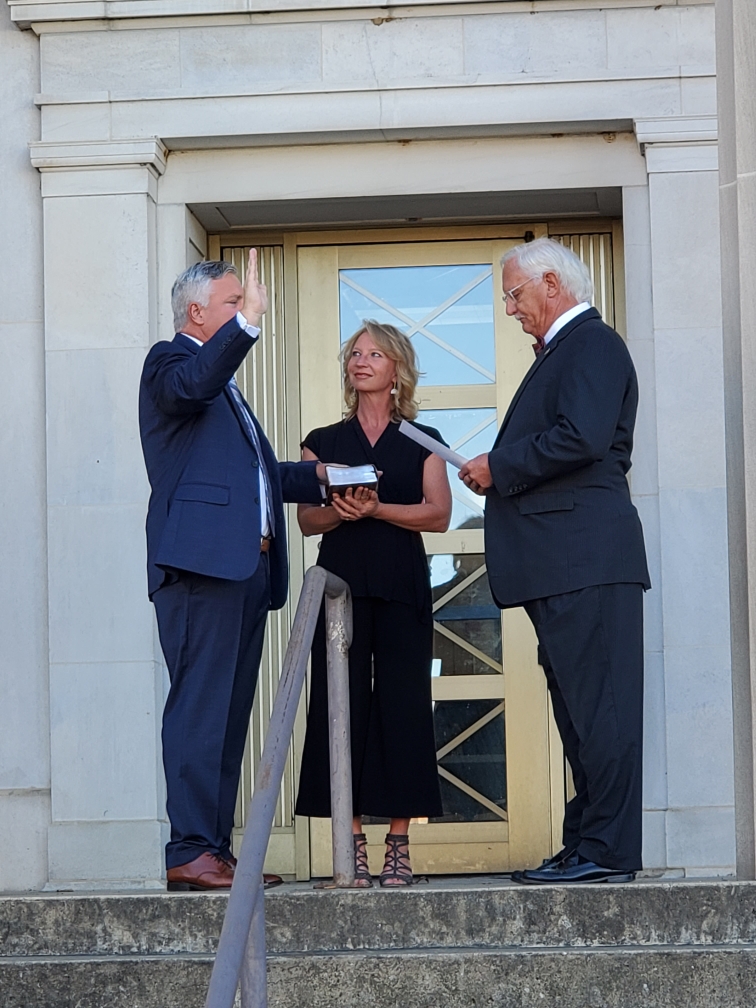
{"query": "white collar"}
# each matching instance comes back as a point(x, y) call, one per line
point(193, 339)
point(563, 319)
point(253, 331)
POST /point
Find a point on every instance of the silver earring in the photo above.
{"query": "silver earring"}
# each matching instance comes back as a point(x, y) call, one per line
point(395, 390)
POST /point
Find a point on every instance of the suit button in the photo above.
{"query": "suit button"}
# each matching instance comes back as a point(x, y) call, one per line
point(257, 500)
point(255, 464)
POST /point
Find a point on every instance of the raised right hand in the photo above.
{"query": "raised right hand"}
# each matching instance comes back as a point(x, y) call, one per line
point(255, 293)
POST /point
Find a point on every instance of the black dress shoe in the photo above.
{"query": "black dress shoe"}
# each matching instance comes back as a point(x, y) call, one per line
point(561, 857)
point(566, 855)
point(571, 870)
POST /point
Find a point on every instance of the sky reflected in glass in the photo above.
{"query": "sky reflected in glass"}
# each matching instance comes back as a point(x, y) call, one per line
point(448, 310)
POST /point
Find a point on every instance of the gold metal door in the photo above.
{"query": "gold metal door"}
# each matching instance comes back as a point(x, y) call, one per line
point(500, 760)
point(490, 704)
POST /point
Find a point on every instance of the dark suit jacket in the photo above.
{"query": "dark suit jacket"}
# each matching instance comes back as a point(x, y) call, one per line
point(559, 516)
point(204, 510)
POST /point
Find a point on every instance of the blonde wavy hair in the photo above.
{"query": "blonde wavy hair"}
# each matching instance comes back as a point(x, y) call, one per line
point(400, 350)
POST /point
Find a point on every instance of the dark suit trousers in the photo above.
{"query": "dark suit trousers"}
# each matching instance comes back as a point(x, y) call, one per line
point(211, 632)
point(591, 650)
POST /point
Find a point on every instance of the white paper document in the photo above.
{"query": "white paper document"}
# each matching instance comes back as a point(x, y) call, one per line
point(432, 445)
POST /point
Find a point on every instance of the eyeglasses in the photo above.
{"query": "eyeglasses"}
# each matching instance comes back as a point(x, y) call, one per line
point(511, 293)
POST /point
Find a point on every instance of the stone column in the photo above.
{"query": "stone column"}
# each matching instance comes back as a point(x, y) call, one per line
point(644, 485)
point(736, 87)
point(681, 159)
point(106, 678)
point(24, 725)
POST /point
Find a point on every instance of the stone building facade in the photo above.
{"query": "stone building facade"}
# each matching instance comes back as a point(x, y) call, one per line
point(140, 135)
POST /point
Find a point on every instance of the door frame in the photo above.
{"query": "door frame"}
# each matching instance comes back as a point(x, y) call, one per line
point(544, 777)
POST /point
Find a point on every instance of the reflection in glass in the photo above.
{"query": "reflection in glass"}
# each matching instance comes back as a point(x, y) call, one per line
point(446, 310)
point(467, 620)
point(479, 761)
point(471, 432)
point(442, 569)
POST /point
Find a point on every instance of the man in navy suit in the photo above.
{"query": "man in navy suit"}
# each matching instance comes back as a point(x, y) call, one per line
point(564, 540)
point(216, 554)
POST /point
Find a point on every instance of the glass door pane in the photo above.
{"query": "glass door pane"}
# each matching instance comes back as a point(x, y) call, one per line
point(447, 311)
point(469, 432)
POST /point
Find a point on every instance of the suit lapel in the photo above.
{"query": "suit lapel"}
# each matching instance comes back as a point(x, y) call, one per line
point(185, 341)
point(516, 397)
point(181, 339)
point(550, 349)
point(242, 421)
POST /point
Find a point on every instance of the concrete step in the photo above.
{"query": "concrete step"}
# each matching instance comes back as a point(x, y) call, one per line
point(459, 914)
point(648, 977)
point(473, 942)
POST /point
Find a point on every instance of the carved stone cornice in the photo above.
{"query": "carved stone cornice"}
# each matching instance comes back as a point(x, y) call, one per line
point(677, 129)
point(49, 155)
point(679, 143)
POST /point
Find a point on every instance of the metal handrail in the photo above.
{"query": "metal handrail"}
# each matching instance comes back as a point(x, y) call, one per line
point(244, 924)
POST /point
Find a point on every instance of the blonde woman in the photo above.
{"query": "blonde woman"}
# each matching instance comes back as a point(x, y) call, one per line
point(372, 540)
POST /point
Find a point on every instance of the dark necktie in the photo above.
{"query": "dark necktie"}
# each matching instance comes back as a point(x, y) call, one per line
point(252, 431)
point(539, 345)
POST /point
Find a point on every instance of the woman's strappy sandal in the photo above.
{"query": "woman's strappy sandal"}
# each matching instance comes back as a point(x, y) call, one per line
point(362, 877)
point(397, 870)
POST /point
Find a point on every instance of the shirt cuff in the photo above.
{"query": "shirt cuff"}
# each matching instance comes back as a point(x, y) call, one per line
point(251, 330)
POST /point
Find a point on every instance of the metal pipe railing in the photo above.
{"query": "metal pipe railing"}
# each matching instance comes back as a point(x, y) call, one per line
point(241, 949)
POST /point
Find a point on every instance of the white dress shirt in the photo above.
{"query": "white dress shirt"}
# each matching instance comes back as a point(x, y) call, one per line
point(254, 332)
point(563, 319)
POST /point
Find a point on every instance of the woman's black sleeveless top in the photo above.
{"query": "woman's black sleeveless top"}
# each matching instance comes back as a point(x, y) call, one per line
point(375, 558)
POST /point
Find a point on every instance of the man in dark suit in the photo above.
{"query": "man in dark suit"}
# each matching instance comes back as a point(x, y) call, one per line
point(564, 540)
point(216, 554)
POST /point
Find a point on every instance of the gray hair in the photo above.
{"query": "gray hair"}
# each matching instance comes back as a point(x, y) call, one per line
point(193, 287)
point(544, 255)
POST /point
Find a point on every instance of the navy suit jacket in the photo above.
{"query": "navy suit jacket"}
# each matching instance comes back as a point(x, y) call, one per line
point(559, 516)
point(204, 510)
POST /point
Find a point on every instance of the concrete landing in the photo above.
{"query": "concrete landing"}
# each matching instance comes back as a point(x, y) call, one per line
point(466, 943)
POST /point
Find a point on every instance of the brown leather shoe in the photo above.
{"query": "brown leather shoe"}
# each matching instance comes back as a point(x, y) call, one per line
point(269, 881)
point(208, 871)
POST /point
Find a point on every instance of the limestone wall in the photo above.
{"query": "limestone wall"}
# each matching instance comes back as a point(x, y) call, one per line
point(24, 719)
point(310, 104)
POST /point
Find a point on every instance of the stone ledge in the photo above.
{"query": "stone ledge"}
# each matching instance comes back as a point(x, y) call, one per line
point(28, 13)
point(490, 915)
point(472, 80)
